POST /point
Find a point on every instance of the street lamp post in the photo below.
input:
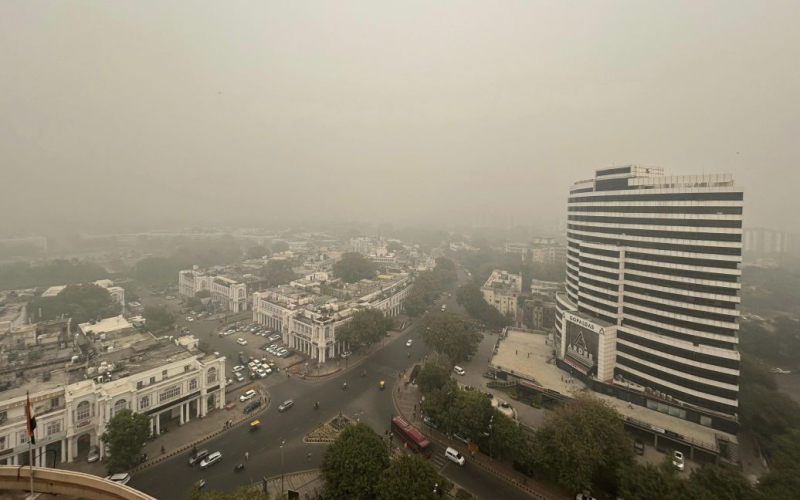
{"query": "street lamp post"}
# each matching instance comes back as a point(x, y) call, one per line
point(491, 434)
point(282, 443)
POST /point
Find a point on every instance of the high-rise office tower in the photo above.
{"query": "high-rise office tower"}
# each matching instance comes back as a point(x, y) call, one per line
point(653, 281)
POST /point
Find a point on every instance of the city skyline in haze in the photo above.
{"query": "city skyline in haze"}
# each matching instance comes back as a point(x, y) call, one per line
point(127, 115)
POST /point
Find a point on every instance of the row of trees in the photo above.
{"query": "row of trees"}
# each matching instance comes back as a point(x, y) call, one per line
point(158, 318)
point(454, 335)
point(56, 272)
point(358, 466)
point(367, 327)
point(467, 412)
point(278, 272)
point(484, 261)
point(354, 267)
point(471, 298)
point(82, 303)
point(428, 286)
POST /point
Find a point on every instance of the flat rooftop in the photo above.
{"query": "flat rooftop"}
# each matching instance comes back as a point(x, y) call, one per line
point(107, 325)
point(35, 383)
point(530, 356)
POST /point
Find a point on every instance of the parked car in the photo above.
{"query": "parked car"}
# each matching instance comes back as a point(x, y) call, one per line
point(286, 354)
point(286, 405)
point(459, 437)
point(237, 368)
point(198, 457)
point(254, 405)
point(121, 478)
point(241, 341)
point(211, 460)
point(430, 423)
point(345, 354)
point(678, 462)
point(239, 377)
point(261, 372)
point(94, 454)
point(409, 343)
point(247, 396)
point(583, 496)
point(459, 371)
point(189, 318)
point(638, 447)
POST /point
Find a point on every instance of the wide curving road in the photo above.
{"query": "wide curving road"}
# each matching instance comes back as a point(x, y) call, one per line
point(173, 478)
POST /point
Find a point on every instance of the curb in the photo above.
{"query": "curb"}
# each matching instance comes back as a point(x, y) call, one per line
point(189, 446)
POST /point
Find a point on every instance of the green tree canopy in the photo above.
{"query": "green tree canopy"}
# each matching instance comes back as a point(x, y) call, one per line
point(279, 246)
point(366, 327)
point(82, 303)
point(411, 477)
point(583, 444)
point(451, 334)
point(353, 465)
point(53, 273)
point(354, 267)
point(471, 298)
point(414, 305)
point(278, 272)
point(256, 252)
point(158, 317)
point(434, 373)
point(125, 434)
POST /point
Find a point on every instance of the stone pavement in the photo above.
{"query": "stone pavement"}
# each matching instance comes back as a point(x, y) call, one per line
point(181, 439)
point(308, 483)
point(407, 396)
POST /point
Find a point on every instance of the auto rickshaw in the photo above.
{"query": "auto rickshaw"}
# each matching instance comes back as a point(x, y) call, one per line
point(382, 384)
point(254, 425)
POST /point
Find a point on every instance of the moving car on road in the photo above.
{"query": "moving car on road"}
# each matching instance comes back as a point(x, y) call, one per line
point(286, 405)
point(454, 455)
point(409, 343)
point(678, 462)
point(211, 460)
point(198, 457)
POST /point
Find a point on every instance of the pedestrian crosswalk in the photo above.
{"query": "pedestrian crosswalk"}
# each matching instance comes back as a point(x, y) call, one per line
point(438, 460)
point(386, 370)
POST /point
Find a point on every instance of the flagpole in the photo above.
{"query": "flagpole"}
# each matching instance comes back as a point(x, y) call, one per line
point(31, 425)
point(30, 458)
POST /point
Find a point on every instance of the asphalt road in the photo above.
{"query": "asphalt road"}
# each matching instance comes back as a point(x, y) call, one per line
point(173, 478)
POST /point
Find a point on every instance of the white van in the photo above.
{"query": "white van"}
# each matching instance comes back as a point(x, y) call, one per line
point(459, 370)
point(454, 455)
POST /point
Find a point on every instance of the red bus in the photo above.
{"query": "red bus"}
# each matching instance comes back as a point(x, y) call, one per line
point(411, 436)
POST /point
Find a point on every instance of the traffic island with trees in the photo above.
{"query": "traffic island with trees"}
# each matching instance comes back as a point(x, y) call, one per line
point(451, 334)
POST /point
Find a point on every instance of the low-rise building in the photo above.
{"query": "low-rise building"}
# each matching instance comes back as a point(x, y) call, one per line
point(308, 320)
point(169, 381)
point(501, 291)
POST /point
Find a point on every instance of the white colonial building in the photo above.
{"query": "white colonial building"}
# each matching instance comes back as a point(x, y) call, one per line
point(227, 292)
point(501, 291)
point(169, 381)
point(308, 320)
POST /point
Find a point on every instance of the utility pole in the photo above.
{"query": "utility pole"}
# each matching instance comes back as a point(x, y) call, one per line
point(282, 443)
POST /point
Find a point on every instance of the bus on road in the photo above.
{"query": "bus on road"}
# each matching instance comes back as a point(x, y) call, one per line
point(413, 438)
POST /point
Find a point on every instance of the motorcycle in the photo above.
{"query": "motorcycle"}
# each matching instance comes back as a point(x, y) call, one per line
point(239, 466)
point(316, 405)
point(344, 386)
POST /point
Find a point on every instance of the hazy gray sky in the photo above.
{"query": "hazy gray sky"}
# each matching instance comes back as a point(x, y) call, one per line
point(211, 112)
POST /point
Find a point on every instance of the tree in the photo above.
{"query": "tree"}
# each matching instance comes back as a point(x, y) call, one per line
point(451, 334)
point(158, 317)
point(56, 272)
point(256, 252)
point(125, 434)
point(353, 465)
point(241, 493)
point(365, 328)
point(582, 444)
point(279, 246)
point(414, 305)
point(82, 303)
point(649, 482)
point(158, 270)
point(354, 267)
point(435, 373)
point(195, 303)
point(471, 298)
point(711, 482)
point(278, 272)
point(507, 438)
point(411, 477)
point(394, 247)
point(131, 291)
point(767, 412)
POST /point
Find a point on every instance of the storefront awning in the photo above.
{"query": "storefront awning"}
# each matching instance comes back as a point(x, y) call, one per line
point(576, 365)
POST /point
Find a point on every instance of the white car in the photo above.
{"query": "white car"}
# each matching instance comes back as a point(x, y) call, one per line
point(454, 455)
point(237, 368)
point(261, 372)
point(247, 396)
point(189, 318)
point(459, 370)
point(239, 377)
point(409, 342)
point(241, 341)
point(211, 460)
point(121, 478)
point(678, 462)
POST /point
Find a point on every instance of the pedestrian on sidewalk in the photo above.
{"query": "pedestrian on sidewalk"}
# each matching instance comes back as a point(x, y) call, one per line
point(247, 455)
point(309, 457)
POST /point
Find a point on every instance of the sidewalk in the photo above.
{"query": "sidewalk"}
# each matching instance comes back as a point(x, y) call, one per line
point(407, 396)
point(337, 365)
point(308, 483)
point(181, 439)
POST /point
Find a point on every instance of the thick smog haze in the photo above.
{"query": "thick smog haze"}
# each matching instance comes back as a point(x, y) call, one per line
point(159, 114)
